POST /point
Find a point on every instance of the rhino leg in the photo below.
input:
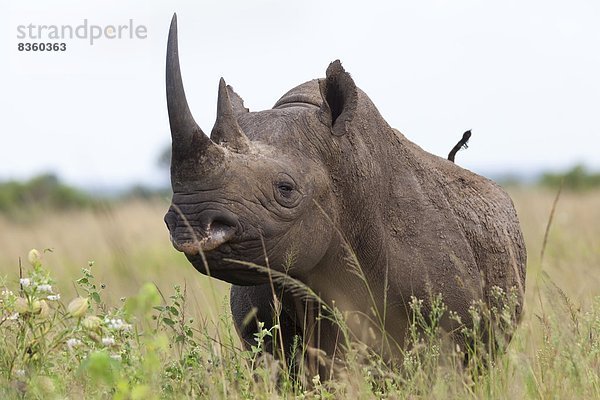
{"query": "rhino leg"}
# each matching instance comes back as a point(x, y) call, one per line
point(253, 304)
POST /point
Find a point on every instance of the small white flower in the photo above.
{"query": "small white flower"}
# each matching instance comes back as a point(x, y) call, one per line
point(316, 380)
point(54, 297)
point(108, 341)
point(71, 343)
point(113, 323)
point(45, 288)
point(116, 324)
point(7, 293)
point(13, 317)
point(20, 373)
point(25, 282)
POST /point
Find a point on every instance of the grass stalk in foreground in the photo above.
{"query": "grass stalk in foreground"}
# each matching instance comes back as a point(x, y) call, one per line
point(150, 347)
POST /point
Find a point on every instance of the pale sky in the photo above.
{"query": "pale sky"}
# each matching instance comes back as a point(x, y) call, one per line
point(523, 75)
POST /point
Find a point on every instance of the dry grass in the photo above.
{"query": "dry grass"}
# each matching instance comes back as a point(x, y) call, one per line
point(573, 250)
point(130, 245)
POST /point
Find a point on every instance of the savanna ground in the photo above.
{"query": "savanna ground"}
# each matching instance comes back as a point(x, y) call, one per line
point(555, 352)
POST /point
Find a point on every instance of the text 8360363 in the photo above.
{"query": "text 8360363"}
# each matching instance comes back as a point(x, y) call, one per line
point(27, 46)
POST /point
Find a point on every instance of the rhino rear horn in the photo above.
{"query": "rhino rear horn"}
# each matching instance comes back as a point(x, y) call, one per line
point(189, 142)
point(237, 103)
point(227, 131)
point(340, 98)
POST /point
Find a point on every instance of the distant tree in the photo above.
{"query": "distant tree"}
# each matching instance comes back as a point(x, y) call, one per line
point(577, 178)
point(164, 160)
point(142, 192)
point(41, 192)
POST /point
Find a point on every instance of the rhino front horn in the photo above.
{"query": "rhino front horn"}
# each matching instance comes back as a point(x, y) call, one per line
point(227, 131)
point(189, 142)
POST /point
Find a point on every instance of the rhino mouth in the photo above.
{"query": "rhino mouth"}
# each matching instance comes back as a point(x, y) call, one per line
point(194, 232)
point(209, 237)
point(219, 267)
point(212, 254)
point(208, 241)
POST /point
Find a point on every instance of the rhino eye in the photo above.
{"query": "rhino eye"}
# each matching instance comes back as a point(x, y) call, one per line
point(285, 189)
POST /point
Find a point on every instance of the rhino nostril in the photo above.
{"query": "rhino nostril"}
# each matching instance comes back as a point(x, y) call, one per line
point(223, 224)
point(206, 230)
point(220, 229)
point(218, 220)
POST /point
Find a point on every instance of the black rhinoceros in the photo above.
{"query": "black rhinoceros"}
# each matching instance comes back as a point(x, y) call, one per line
point(322, 179)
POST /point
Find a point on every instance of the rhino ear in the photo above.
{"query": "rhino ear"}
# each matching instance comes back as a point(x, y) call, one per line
point(340, 98)
point(237, 103)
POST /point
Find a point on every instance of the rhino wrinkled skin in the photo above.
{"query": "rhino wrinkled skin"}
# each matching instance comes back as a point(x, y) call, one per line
point(323, 179)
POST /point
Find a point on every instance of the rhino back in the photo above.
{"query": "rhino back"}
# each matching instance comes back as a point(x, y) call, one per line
point(483, 211)
point(434, 226)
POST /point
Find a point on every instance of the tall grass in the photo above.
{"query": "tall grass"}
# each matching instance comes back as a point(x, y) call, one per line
point(180, 341)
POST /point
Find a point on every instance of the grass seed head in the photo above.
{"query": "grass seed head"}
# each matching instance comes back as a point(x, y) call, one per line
point(22, 305)
point(34, 257)
point(78, 307)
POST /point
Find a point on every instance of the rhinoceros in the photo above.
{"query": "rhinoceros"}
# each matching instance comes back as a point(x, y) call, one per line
point(367, 218)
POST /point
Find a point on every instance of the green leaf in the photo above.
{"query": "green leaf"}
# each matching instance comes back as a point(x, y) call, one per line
point(100, 367)
point(147, 299)
point(140, 392)
point(96, 297)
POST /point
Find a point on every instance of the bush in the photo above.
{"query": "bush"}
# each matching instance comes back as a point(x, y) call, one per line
point(42, 192)
point(577, 178)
